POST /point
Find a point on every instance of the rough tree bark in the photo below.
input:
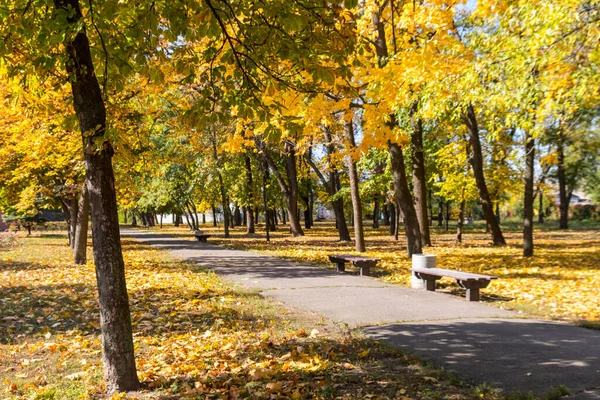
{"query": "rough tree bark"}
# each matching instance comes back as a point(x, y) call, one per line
point(224, 202)
point(392, 216)
point(405, 201)
point(70, 209)
point(528, 196)
point(81, 230)
point(541, 207)
point(403, 196)
point(115, 320)
point(476, 161)
point(419, 180)
point(288, 189)
point(250, 225)
point(461, 218)
point(332, 186)
point(376, 212)
point(564, 197)
point(359, 235)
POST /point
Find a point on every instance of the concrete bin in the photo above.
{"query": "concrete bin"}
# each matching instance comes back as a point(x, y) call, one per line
point(421, 261)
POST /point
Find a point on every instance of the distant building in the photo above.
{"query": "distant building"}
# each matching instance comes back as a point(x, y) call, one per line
point(324, 213)
point(578, 198)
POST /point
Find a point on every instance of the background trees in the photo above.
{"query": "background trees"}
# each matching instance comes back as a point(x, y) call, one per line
point(256, 109)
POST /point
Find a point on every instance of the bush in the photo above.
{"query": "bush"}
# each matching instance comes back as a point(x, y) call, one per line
point(584, 211)
point(27, 223)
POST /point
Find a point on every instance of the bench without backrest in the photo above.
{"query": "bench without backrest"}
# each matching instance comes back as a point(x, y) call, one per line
point(364, 264)
point(467, 280)
point(201, 237)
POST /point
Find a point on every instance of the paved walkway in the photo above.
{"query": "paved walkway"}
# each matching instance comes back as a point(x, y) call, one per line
point(478, 342)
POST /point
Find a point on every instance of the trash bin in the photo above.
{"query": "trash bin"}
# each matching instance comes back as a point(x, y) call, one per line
point(421, 261)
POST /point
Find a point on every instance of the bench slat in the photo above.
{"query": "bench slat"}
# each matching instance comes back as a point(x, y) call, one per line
point(453, 274)
point(350, 258)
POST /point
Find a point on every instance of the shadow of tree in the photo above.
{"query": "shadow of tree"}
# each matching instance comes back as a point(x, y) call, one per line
point(524, 355)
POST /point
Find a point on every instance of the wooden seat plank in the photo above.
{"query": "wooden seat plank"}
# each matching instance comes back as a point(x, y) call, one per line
point(467, 280)
point(364, 264)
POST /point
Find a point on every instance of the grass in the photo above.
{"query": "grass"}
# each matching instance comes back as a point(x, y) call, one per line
point(560, 282)
point(196, 337)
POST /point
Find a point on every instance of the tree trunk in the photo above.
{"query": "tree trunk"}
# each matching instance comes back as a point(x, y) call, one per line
point(192, 217)
point(188, 220)
point(115, 320)
point(133, 219)
point(288, 189)
point(430, 205)
point(237, 216)
point(405, 201)
point(81, 231)
point(359, 236)
point(397, 222)
point(461, 219)
point(528, 198)
point(498, 211)
point(69, 206)
point(176, 220)
point(562, 184)
point(204, 218)
point(376, 212)
point(392, 214)
point(224, 201)
point(332, 186)
point(214, 215)
point(447, 219)
point(250, 225)
point(292, 198)
point(541, 207)
point(476, 161)
point(272, 219)
point(307, 212)
point(419, 180)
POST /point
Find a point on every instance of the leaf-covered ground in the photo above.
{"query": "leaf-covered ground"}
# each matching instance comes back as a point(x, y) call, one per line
point(195, 336)
point(560, 282)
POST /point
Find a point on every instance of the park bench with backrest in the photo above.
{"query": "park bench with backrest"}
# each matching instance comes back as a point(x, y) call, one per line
point(364, 264)
point(201, 236)
point(467, 280)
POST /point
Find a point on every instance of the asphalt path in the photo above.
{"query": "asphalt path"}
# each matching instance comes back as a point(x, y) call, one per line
point(479, 342)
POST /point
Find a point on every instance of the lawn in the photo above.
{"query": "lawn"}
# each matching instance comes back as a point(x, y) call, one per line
point(560, 282)
point(196, 336)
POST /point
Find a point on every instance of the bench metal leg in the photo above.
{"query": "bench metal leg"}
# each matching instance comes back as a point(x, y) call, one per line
point(365, 270)
point(341, 266)
point(473, 294)
point(430, 285)
point(364, 267)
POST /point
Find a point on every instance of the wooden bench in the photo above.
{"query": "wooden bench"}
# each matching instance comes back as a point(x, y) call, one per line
point(364, 264)
point(471, 282)
point(201, 237)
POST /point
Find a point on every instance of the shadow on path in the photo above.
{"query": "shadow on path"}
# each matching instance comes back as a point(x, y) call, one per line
point(525, 355)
